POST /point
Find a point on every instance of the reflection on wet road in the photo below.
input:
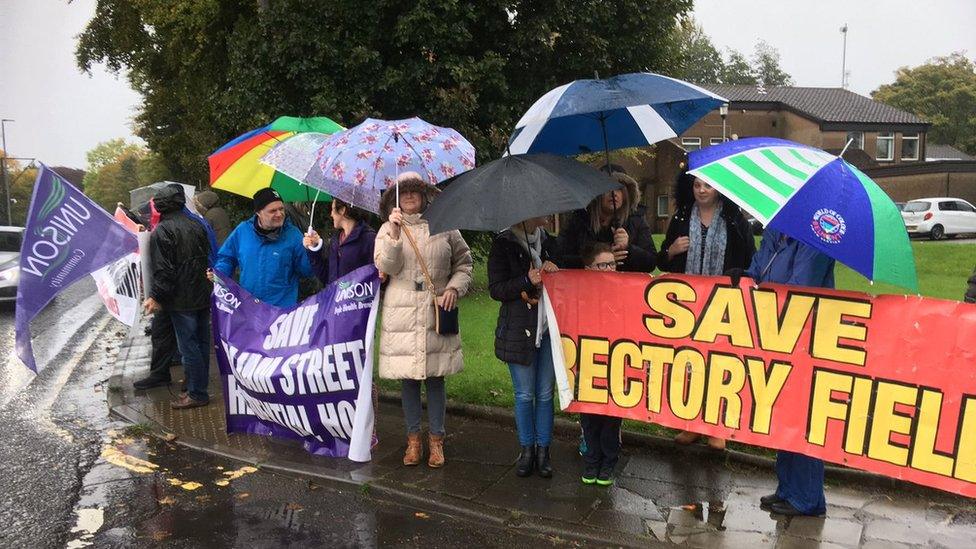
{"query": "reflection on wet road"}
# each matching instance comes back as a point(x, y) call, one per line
point(71, 476)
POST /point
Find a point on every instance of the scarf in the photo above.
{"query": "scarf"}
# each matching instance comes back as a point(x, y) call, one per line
point(711, 259)
point(533, 244)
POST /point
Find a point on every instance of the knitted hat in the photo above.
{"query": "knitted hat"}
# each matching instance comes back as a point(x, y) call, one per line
point(264, 197)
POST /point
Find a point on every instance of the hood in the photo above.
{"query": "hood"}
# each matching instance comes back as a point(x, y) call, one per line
point(169, 199)
point(630, 185)
point(206, 200)
point(388, 200)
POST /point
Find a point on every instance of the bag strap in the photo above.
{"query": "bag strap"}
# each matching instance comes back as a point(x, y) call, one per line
point(420, 259)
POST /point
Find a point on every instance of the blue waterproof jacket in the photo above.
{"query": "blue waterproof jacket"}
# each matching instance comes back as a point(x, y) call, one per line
point(786, 260)
point(270, 268)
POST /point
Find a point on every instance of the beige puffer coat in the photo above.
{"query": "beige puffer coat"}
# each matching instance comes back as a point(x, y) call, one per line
point(409, 346)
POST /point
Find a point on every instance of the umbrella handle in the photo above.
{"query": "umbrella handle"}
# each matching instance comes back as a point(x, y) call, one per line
point(311, 215)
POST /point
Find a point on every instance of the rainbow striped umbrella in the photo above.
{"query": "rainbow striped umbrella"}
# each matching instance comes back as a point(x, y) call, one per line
point(815, 197)
point(236, 166)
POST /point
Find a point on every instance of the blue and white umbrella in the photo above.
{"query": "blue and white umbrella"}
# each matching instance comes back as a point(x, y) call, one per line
point(628, 110)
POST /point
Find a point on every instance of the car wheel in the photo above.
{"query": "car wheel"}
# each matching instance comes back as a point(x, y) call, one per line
point(938, 232)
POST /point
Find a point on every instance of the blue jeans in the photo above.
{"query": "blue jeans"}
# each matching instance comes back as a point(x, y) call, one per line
point(533, 386)
point(801, 480)
point(193, 339)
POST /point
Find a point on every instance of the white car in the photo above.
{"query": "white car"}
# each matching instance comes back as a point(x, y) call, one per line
point(938, 217)
point(10, 239)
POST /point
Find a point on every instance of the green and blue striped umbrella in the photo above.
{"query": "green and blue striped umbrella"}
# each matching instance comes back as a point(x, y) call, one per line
point(815, 197)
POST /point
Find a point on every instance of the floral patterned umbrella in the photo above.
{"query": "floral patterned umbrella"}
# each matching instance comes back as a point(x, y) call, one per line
point(357, 164)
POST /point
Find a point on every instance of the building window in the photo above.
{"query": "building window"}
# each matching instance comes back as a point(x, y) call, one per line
point(858, 138)
point(715, 141)
point(691, 143)
point(662, 205)
point(909, 146)
point(886, 146)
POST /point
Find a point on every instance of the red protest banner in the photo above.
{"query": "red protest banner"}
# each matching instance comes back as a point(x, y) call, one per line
point(885, 384)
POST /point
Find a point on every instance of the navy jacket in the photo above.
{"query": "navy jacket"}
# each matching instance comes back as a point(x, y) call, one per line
point(345, 257)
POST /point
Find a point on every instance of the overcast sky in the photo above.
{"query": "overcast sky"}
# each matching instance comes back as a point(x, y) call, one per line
point(60, 113)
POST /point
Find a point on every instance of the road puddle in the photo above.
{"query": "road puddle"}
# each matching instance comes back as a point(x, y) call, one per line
point(89, 521)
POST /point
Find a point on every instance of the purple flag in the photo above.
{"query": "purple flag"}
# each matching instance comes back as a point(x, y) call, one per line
point(301, 372)
point(68, 237)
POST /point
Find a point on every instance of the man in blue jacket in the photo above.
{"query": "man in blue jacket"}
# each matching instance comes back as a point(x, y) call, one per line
point(268, 250)
point(784, 260)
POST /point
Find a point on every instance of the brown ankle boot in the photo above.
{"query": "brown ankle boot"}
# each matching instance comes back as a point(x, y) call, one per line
point(436, 451)
point(414, 451)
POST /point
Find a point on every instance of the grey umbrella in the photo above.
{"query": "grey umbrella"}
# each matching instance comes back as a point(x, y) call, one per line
point(515, 188)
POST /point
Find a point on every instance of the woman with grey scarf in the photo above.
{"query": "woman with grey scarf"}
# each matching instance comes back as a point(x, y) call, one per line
point(519, 255)
point(707, 235)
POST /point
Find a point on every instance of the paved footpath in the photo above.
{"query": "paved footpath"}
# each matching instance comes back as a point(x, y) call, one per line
point(664, 495)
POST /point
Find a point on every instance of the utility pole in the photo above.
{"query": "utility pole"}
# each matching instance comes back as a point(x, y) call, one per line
point(3, 167)
point(843, 62)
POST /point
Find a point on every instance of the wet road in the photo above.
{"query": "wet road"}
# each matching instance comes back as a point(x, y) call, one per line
point(74, 477)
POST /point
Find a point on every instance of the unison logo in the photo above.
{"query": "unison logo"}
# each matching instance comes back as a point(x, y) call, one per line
point(226, 301)
point(58, 221)
point(357, 291)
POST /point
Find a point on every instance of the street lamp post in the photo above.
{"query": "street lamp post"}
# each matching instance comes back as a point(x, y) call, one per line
point(3, 167)
point(723, 111)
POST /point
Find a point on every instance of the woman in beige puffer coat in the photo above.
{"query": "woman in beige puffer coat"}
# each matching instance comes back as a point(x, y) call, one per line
point(410, 349)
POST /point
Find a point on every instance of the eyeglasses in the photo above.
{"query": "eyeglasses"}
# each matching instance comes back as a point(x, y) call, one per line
point(605, 266)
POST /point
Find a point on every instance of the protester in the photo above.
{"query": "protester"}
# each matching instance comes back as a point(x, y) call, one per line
point(268, 250)
point(601, 433)
point(784, 260)
point(180, 250)
point(206, 204)
point(516, 261)
point(970, 296)
point(410, 349)
point(351, 245)
point(696, 244)
point(612, 218)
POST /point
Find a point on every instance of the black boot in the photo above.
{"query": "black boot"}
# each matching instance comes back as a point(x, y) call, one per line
point(542, 461)
point(526, 461)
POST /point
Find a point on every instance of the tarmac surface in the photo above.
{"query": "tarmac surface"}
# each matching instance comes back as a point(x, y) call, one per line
point(664, 495)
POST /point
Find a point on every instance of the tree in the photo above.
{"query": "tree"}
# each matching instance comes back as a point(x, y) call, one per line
point(208, 71)
point(699, 62)
point(766, 68)
point(942, 91)
point(115, 167)
point(737, 70)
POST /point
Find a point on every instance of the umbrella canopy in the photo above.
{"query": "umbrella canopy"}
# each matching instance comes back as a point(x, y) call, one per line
point(236, 166)
point(515, 188)
point(628, 110)
point(815, 197)
point(359, 163)
point(139, 198)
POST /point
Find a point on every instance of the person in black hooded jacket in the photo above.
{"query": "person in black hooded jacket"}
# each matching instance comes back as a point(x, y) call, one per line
point(614, 218)
point(516, 261)
point(179, 250)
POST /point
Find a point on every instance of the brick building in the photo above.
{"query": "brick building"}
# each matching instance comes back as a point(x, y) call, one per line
point(889, 144)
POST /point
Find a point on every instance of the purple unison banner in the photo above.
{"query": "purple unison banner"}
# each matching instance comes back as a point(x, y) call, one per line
point(67, 237)
point(303, 372)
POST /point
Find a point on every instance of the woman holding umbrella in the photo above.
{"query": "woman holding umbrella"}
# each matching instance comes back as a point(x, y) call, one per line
point(351, 245)
point(519, 255)
point(612, 218)
point(707, 235)
point(411, 350)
